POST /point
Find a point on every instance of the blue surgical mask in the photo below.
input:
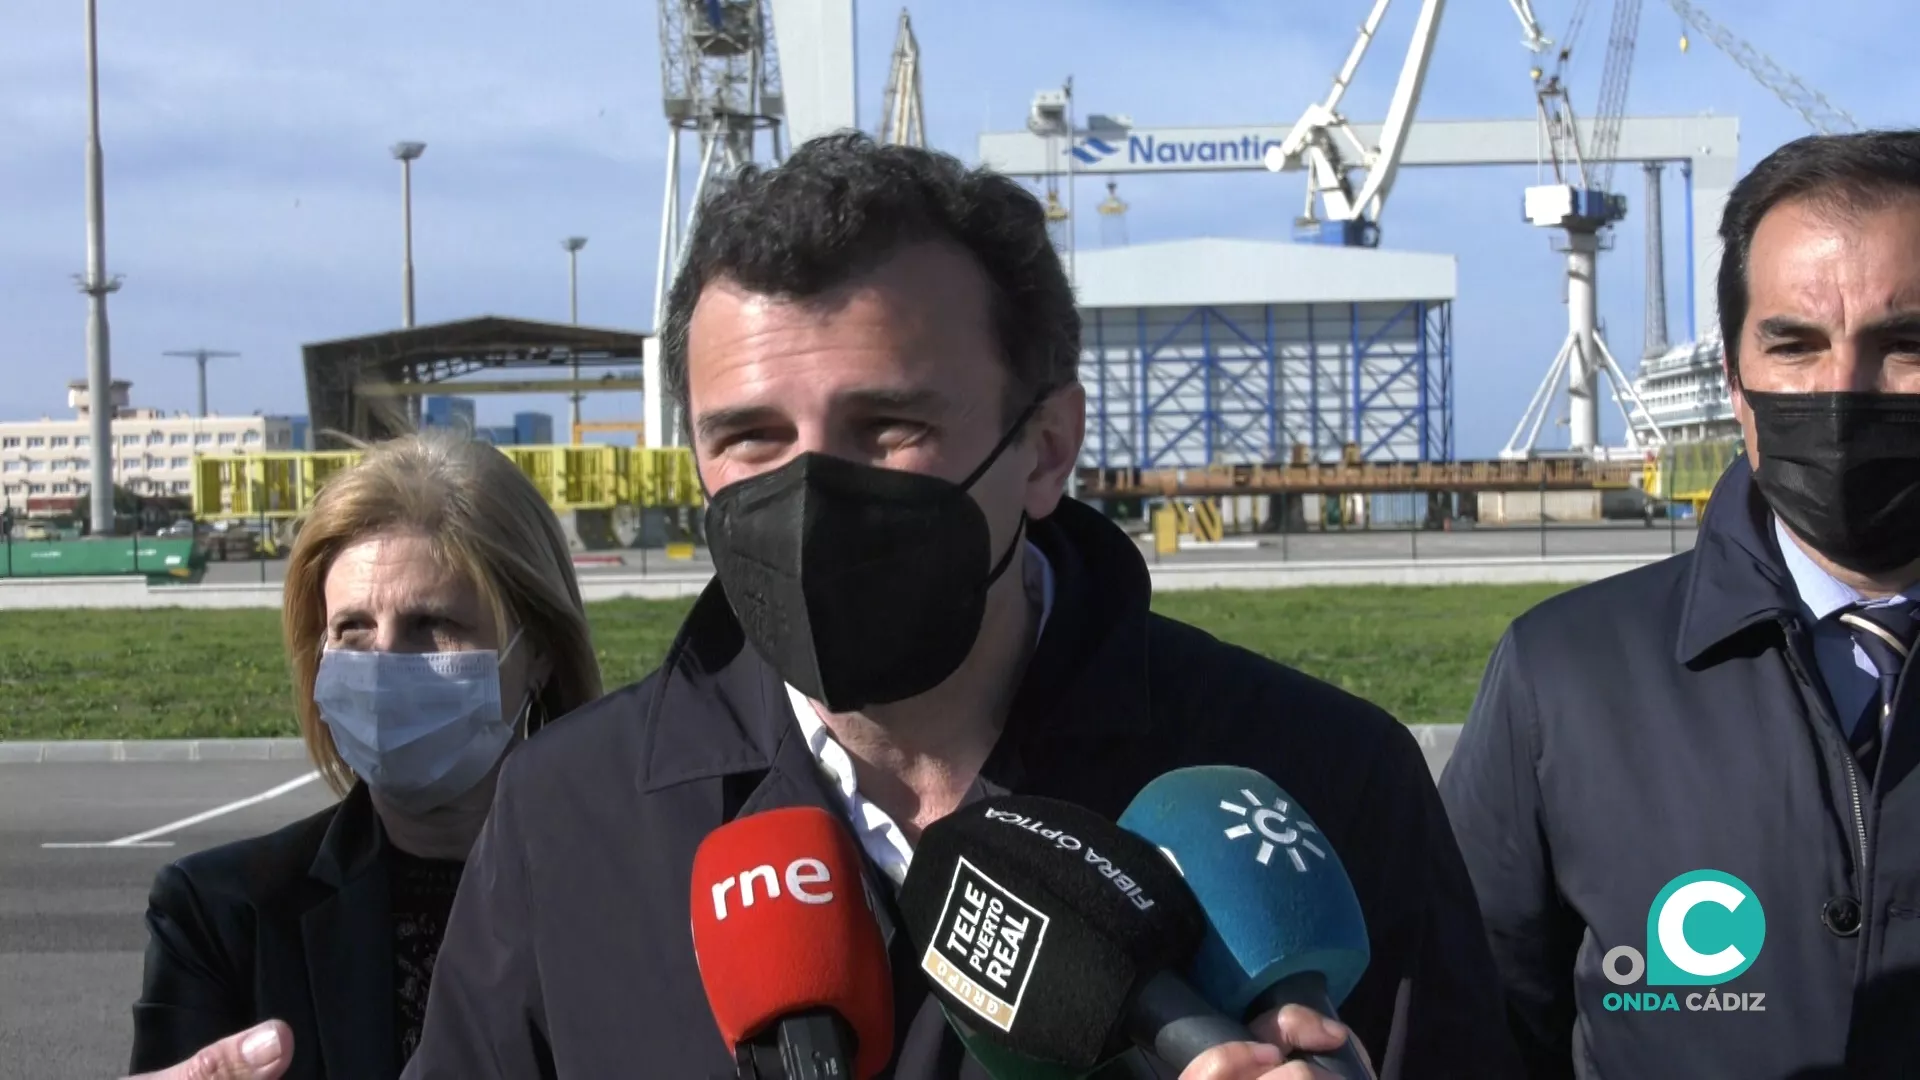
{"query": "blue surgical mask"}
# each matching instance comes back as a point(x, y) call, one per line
point(419, 728)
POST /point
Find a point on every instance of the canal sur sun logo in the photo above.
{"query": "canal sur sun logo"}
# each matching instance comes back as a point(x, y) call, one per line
point(1704, 929)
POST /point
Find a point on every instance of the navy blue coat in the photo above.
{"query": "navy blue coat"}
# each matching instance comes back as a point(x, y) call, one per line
point(1668, 720)
point(568, 953)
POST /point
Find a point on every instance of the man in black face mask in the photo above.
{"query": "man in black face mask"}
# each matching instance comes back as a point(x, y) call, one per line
point(874, 351)
point(1691, 787)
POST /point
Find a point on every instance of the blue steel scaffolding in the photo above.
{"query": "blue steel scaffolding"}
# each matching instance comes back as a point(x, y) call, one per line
point(1243, 384)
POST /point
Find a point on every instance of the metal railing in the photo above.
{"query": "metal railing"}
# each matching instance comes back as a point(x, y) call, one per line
point(1328, 478)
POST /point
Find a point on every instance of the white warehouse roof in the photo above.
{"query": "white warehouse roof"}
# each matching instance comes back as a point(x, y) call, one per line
point(1217, 272)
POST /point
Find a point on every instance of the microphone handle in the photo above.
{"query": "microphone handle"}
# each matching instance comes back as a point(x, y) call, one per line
point(1177, 1024)
point(813, 1045)
point(1309, 988)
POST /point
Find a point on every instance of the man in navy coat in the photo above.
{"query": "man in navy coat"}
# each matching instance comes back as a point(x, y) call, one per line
point(875, 350)
point(1687, 794)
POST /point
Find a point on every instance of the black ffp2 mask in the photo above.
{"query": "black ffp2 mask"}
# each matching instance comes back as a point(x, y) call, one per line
point(1842, 470)
point(859, 585)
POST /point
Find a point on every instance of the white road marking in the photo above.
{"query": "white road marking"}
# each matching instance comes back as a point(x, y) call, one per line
point(146, 839)
point(110, 843)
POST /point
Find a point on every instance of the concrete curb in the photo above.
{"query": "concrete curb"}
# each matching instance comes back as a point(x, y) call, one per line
point(41, 593)
point(1522, 570)
point(101, 751)
point(1433, 739)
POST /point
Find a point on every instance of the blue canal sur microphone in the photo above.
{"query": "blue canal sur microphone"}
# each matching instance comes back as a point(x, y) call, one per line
point(1283, 924)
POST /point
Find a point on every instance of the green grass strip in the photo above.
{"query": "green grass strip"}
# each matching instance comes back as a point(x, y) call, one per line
point(166, 674)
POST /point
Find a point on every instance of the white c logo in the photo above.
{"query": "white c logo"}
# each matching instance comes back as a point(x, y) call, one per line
point(1673, 937)
point(1264, 820)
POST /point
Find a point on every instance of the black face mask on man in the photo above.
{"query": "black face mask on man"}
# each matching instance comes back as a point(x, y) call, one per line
point(1842, 470)
point(860, 585)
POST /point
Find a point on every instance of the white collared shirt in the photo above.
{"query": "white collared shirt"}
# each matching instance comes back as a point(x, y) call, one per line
point(882, 838)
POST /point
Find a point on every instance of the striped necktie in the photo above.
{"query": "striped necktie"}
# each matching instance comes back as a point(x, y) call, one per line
point(1885, 633)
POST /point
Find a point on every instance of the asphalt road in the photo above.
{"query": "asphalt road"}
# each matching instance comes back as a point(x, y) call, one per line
point(71, 934)
point(1626, 538)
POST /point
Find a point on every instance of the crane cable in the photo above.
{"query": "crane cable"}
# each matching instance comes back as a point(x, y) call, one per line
point(1613, 89)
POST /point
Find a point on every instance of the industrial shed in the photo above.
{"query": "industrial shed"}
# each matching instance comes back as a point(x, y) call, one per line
point(1216, 351)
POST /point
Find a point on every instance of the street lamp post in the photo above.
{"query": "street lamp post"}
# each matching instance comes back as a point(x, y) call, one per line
point(97, 284)
point(572, 246)
point(202, 356)
point(405, 153)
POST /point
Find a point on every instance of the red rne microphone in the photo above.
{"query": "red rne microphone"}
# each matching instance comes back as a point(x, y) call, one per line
point(789, 951)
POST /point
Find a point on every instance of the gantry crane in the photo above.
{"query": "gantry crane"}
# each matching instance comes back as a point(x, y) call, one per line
point(1325, 145)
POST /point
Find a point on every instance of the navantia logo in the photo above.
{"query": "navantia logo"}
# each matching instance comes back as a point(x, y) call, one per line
point(807, 880)
point(1704, 928)
point(1091, 150)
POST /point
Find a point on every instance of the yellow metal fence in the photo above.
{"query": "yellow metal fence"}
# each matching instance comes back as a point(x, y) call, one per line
point(279, 486)
point(1686, 472)
point(1344, 477)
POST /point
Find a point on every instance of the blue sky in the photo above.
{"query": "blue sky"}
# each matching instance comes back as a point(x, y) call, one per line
point(252, 205)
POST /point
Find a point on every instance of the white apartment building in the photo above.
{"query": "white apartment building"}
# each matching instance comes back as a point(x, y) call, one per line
point(152, 450)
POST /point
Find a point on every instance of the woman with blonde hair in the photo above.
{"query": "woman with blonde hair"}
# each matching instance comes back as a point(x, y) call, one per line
point(432, 620)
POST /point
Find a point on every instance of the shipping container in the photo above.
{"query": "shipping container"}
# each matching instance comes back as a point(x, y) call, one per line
point(117, 556)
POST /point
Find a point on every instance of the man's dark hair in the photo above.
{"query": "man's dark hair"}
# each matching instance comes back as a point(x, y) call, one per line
point(1848, 172)
point(841, 205)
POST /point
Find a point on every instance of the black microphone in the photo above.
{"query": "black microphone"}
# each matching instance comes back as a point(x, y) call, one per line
point(1056, 935)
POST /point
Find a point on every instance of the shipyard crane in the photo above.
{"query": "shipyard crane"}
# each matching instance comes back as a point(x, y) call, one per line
point(719, 81)
point(1820, 114)
point(1325, 145)
point(1532, 36)
point(901, 116)
point(1580, 204)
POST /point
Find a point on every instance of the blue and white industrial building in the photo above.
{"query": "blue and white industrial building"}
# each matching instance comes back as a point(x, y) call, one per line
point(1224, 351)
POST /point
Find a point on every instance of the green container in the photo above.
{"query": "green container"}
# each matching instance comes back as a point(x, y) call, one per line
point(114, 556)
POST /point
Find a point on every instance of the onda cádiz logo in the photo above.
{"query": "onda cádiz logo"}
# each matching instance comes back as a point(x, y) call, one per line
point(1275, 830)
point(1705, 928)
point(984, 945)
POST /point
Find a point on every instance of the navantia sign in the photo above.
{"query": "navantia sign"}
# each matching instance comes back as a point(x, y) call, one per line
point(1131, 150)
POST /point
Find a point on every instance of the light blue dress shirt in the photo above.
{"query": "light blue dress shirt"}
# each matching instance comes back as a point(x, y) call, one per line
point(1851, 678)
